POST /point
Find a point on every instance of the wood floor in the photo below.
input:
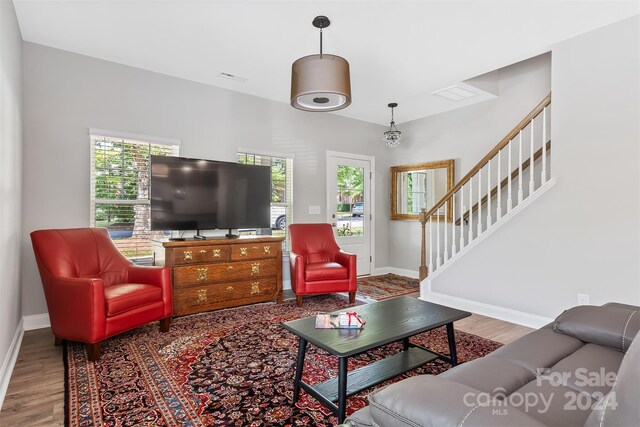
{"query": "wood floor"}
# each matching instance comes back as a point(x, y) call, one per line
point(36, 392)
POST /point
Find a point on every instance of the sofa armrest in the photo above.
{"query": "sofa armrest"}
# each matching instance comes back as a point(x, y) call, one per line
point(427, 400)
point(349, 261)
point(77, 309)
point(611, 326)
point(159, 276)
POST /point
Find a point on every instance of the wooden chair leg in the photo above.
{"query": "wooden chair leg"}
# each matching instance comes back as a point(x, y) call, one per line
point(93, 351)
point(299, 300)
point(352, 297)
point(165, 324)
point(58, 341)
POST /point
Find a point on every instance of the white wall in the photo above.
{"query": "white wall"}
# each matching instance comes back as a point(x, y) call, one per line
point(583, 235)
point(10, 186)
point(65, 94)
point(466, 135)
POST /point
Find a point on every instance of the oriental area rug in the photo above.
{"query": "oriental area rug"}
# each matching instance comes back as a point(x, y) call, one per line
point(385, 286)
point(230, 367)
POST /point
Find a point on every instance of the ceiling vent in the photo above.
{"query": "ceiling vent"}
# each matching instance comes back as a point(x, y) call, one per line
point(233, 77)
point(454, 93)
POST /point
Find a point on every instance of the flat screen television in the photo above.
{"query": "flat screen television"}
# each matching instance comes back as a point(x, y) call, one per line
point(193, 194)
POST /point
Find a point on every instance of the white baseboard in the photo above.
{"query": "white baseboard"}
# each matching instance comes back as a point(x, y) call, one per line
point(399, 271)
point(36, 321)
point(10, 361)
point(501, 313)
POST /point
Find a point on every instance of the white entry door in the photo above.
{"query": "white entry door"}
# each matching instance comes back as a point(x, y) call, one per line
point(349, 201)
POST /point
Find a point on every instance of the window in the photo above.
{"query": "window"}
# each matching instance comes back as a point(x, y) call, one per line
point(120, 175)
point(281, 190)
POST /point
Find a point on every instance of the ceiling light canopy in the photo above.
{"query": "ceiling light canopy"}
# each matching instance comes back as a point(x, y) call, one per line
point(320, 82)
point(393, 135)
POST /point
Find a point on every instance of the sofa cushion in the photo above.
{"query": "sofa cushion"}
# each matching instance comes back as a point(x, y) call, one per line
point(551, 404)
point(539, 349)
point(426, 400)
point(325, 271)
point(591, 369)
point(498, 377)
point(127, 296)
point(610, 326)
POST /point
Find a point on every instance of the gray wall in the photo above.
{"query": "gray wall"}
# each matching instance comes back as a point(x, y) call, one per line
point(583, 235)
point(466, 135)
point(10, 178)
point(66, 94)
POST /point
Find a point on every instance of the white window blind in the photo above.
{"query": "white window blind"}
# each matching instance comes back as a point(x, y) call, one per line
point(281, 190)
point(120, 184)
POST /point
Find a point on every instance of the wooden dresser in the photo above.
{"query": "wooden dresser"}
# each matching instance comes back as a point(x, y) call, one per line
point(221, 273)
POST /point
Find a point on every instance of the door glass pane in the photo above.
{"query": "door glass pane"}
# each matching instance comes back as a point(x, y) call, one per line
point(351, 203)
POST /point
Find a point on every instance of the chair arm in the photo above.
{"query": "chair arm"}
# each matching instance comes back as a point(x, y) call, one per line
point(77, 308)
point(350, 261)
point(427, 400)
point(159, 276)
point(346, 259)
point(297, 263)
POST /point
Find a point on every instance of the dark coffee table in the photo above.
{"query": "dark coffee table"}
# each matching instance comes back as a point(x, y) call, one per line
point(395, 319)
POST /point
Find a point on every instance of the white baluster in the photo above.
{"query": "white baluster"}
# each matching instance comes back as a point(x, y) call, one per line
point(499, 184)
point(509, 199)
point(520, 193)
point(461, 217)
point(489, 194)
point(438, 258)
point(470, 209)
point(544, 145)
point(453, 224)
point(430, 246)
point(532, 184)
point(446, 228)
point(479, 201)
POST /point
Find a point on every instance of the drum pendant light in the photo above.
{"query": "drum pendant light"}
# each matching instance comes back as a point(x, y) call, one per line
point(320, 82)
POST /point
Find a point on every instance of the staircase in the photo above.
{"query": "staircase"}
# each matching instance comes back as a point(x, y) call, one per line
point(510, 176)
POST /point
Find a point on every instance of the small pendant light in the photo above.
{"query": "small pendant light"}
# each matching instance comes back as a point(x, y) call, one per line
point(393, 135)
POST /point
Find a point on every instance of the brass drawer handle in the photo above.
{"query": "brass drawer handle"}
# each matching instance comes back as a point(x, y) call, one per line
point(255, 248)
point(216, 253)
point(266, 250)
point(243, 251)
point(202, 273)
point(202, 251)
point(229, 288)
point(255, 288)
point(255, 268)
point(188, 255)
point(230, 267)
point(202, 295)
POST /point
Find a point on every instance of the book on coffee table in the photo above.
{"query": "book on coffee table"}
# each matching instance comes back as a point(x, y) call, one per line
point(347, 320)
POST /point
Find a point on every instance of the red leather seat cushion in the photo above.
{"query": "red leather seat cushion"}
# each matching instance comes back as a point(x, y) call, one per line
point(325, 271)
point(126, 296)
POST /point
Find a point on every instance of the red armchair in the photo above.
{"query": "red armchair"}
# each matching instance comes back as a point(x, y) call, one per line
point(318, 266)
point(93, 292)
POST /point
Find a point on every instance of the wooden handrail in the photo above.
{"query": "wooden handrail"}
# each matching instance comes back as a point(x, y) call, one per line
point(504, 182)
point(541, 106)
point(426, 215)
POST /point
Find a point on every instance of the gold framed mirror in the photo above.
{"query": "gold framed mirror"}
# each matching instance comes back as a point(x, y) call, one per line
point(418, 186)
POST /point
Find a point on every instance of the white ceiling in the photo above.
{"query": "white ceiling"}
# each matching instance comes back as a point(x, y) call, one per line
point(399, 51)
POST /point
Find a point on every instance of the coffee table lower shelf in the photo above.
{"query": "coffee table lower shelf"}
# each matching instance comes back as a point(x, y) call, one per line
point(370, 375)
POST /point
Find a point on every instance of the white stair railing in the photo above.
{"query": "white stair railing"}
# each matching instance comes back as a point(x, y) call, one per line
point(470, 222)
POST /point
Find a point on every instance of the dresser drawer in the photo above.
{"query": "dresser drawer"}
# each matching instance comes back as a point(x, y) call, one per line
point(255, 251)
point(223, 272)
point(194, 255)
point(205, 297)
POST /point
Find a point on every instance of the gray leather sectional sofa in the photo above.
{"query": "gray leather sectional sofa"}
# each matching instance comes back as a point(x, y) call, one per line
point(581, 370)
